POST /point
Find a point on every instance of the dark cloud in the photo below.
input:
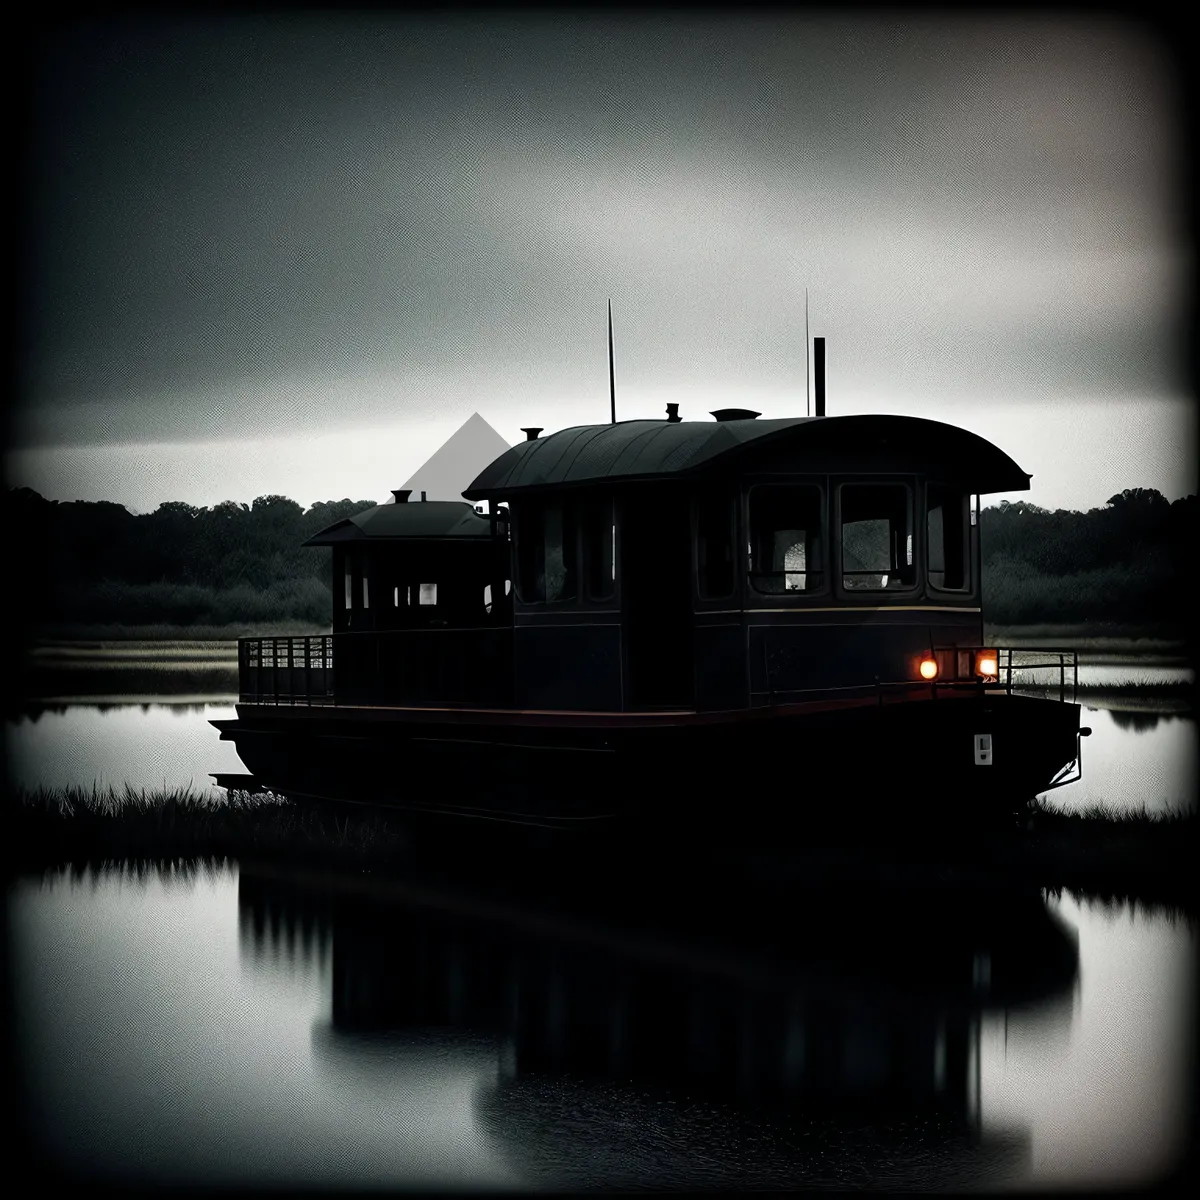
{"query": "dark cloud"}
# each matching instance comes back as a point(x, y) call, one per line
point(236, 218)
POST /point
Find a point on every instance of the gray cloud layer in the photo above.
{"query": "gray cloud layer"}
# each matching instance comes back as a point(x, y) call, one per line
point(239, 218)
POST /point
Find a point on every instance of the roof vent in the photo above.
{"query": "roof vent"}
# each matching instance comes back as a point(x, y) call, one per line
point(735, 414)
point(422, 497)
point(401, 494)
point(673, 413)
point(531, 432)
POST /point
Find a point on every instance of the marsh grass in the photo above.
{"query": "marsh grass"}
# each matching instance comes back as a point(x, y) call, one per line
point(182, 632)
point(132, 668)
point(1107, 852)
point(1164, 696)
point(1110, 818)
point(101, 652)
point(1090, 636)
point(1123, 855)
point(77, 824)
point(1182, 689)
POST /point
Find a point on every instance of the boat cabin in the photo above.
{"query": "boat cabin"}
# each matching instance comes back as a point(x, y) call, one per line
point(740, 562)
point(649, 565)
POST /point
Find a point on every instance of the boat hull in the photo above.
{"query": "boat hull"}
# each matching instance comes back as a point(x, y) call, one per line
point(761, 773)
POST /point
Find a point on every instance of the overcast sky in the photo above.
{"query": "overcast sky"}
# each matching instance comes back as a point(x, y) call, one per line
point(294, 254)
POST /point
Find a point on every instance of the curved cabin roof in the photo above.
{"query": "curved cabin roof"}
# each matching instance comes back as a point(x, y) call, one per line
point(646, 450)
point(421, 519)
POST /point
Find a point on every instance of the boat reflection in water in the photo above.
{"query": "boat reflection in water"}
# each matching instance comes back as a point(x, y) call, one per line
point(836, 1044)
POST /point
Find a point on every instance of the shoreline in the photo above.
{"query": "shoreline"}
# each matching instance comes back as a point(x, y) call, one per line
point(1097, 634)
point(142, 680)
point(1137, 857)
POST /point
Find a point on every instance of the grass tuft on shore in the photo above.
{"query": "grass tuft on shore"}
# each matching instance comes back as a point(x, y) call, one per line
point(1143, 852)
point(79, 823)
point(1113, 817)
point(180, 632)
point(1185, 688)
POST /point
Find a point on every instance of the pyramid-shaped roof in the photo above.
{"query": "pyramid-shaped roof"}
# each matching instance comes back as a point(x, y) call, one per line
point(465, 454)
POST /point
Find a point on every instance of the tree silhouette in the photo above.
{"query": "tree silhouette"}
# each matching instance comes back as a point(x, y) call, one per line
point(96, 563)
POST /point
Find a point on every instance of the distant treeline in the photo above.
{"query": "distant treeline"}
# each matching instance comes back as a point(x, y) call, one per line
point(95, 563)
point(1126, 563)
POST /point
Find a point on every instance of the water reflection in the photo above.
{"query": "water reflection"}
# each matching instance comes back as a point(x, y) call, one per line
point(147, 745)
point(593, 1031)
point(167, 873)
point(1142, 722)
point(1130, 763)
point(843, 1051)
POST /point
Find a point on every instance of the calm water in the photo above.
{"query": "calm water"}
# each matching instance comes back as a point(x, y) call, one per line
point(230, 1028)
point(248, 1031)
point(1133, 758)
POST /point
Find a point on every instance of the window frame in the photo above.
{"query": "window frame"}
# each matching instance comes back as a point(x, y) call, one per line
point(911, 483)
point(522, 514)
point(601, 503)
point(732, 498)
point(753, 596)
point(570, 506)
point(968, 498)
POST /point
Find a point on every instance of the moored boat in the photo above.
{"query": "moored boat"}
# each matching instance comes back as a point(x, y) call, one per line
point(730, 626)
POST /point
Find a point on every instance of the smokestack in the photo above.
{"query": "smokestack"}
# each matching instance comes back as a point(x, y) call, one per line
point(531, 432)
point(422, 497)
point(673, 413)
point(819, 374)
point(401, 494)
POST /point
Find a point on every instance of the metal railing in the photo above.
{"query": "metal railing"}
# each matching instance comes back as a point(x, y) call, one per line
point(454, 666)
point(1060, 672)
point(1020, 671)
point(286, 670)
point(300, 670)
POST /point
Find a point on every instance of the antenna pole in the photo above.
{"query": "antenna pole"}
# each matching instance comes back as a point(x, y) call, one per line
point(612, 379)
point(807, 385)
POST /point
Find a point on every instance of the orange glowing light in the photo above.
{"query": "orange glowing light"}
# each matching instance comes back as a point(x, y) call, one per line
point(928, 668)
point(988, 663)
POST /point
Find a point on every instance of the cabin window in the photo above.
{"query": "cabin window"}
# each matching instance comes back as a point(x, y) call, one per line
point(560, 553)
point(546, 552)
point(366, 593)
point(487, 597)
point(877, 542)
point(714, 547)
point(531, 554)
point(427, 593)
point(786, 553)
point(947, 532)
point(596, 526)
point(349, 589)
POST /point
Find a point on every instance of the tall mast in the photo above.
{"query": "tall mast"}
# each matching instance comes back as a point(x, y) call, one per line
point(807, 384)
point(612, 379)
